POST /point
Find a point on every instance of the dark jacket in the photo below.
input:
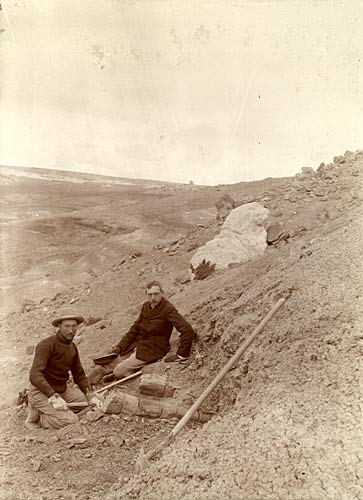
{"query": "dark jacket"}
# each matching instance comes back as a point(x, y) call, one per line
point(152, 332)
point(53, 359)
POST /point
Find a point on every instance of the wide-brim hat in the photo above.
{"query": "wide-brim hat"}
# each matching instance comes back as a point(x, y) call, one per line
point(68, 314)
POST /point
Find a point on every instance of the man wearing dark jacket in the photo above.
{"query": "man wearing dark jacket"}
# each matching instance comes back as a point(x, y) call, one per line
point(54, 358)
point(151, 333)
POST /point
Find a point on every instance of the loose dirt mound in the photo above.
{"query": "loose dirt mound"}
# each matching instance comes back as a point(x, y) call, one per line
point(288, 421)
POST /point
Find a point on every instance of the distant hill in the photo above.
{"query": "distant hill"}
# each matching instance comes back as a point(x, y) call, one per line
point(72, 176)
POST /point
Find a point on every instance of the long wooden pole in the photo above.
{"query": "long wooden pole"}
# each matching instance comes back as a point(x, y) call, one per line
point(169, 438)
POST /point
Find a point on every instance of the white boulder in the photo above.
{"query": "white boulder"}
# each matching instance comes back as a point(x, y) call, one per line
point(242, 238)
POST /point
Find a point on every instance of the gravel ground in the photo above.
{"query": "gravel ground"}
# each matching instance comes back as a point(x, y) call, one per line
point(296, 428)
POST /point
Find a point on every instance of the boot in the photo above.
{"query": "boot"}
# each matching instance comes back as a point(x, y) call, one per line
point(32, 420)
point(108, 378)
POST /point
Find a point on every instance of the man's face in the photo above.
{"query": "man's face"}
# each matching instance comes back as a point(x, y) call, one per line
point(154, 295)
point(68, 328)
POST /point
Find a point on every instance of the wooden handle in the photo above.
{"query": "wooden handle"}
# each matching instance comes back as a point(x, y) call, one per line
point(78, 405)
point(99, 391)
point(227, 367)
point(217, 379)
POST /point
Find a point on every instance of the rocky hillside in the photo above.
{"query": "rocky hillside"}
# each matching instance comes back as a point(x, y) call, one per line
point(287, 418)
point(294, 430)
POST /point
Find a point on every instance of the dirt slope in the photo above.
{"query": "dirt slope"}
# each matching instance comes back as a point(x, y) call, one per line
point(295, 430)
point(288, 421)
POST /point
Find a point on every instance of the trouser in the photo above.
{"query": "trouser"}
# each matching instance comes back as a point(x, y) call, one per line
point(128, 366)
point(96, 374)
point(49, 417)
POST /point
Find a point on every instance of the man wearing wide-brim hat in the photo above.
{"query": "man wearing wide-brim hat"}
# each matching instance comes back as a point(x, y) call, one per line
point(49, 392)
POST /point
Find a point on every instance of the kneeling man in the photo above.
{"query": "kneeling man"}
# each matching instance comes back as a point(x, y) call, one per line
point(54, 358)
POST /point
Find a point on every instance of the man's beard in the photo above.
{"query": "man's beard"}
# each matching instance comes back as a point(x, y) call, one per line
point(67, 338)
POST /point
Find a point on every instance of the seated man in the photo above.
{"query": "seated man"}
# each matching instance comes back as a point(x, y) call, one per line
point(54, 358)
point(152, 331)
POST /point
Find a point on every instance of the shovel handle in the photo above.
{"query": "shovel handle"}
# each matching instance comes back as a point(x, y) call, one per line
point(170, 437)
point(227, 367)
point(103, 389)
point(78, 405)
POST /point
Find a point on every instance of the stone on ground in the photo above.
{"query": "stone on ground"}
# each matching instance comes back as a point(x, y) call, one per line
point(242, 238)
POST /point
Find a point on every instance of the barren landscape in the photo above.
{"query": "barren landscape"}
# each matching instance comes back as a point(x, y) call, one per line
point(286, 421)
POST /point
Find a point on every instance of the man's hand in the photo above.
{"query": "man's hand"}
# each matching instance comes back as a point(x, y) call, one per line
point(116, 350)
point(95, 400)
point(57, 402)
point(174, 357)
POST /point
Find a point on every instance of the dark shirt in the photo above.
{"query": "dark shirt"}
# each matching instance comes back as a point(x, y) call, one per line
point(54, 358)
point(152, 331)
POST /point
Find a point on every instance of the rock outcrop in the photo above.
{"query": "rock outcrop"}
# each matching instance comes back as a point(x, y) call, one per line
point(242, 238)
point(276, 234)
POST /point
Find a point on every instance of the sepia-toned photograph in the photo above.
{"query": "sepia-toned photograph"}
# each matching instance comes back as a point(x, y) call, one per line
point(181, 263)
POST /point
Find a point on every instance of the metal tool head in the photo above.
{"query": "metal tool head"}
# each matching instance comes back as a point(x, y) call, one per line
point(103, 358)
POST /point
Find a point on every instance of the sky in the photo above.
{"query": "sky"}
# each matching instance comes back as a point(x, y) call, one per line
point(216, 92)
